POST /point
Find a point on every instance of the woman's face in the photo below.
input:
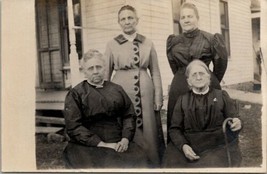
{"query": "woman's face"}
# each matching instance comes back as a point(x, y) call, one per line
point(128, 21)
point(94, 70)
point(198, 77)
point(188, 19)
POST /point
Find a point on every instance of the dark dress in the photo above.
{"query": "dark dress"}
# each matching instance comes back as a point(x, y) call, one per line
point(184, 48)
point(95, 114)
point(197, 121)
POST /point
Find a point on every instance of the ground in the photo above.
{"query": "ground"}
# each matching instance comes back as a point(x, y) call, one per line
point(49, 154)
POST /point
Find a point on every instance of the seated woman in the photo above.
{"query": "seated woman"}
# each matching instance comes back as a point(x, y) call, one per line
point(196, 133)
point(100, 121)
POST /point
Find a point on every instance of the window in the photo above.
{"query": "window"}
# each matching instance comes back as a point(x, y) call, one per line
point(176, 4)
point(225, 23)
point(77, 23)
point(50, 39)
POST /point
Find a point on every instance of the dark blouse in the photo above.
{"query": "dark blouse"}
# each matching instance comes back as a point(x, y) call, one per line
point(182, 49)
point(99, 114)
point(197, 120)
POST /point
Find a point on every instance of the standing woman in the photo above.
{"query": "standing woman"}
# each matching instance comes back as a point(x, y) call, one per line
point(192, 44)
point(131, 56)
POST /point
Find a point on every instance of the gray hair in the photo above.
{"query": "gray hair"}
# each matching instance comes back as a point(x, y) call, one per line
point(190, 6)
point(127, 7)
point(196, 62)
point(92, 53)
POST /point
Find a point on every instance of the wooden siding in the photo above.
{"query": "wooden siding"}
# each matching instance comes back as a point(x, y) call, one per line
point(100, 25)
point(156, 23)
point(240, 36)
point(240, 67)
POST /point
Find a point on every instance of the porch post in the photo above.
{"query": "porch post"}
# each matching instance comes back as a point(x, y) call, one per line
point(74, 62)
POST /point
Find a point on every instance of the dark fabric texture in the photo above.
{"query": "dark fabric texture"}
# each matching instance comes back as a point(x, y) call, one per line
point(97, 114)
point(217, 157)
point(79, 156)
point(184, 48)
point(197, 121)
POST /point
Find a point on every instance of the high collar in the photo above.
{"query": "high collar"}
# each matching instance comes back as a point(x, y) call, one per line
point(121, 39)
point(202, 92)
point(191, 34)
point(96, 85)
point(130, 37)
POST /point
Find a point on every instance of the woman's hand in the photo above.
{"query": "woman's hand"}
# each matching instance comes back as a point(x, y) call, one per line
point(122, 145)
point(235, 124)
point(189, 153)
point(107, 145)
point(157, 107)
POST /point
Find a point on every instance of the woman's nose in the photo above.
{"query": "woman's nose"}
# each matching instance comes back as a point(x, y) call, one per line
point(127, 21)
point(198, 76)
point(95, 71)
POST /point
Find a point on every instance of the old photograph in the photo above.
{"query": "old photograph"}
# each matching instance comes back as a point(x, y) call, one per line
point(134, 85)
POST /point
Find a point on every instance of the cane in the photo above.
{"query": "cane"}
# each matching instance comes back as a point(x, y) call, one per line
point(226, 141)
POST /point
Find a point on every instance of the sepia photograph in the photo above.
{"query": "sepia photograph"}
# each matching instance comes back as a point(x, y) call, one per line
point(133, 86)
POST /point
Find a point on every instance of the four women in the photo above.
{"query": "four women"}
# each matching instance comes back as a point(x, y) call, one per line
point(112, 128)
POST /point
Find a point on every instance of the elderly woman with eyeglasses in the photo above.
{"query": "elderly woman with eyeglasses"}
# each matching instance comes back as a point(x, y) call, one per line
point(196, 129)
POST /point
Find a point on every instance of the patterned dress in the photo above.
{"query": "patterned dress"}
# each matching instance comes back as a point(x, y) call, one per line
point(137, 71)
point(184, 48)
point(94, 114)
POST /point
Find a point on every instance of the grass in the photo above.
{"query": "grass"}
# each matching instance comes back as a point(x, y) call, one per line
point(49, 154)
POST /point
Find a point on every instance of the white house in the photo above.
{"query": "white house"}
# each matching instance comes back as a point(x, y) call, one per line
point(95, 22)
point(64, 29)
point(38, 52)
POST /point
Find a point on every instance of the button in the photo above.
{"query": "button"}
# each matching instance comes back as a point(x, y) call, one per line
point(136, 77)
point(135, 49)
point(139, 122)
point(137, 99)
point(135, 59)
point(136, 88)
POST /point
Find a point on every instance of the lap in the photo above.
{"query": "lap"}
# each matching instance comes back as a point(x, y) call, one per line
point(80, 156)
point(174, 158)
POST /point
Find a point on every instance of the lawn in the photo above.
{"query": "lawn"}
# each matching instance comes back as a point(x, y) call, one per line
point(49, 153)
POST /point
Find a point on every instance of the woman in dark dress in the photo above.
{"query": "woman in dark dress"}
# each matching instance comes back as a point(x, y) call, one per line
point(196, 133)
point(100, 121)
point(193, 44)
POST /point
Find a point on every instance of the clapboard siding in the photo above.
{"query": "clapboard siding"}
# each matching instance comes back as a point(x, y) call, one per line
point(241, 58)
point(100, 22)
point(156, 25)
point(100, 25)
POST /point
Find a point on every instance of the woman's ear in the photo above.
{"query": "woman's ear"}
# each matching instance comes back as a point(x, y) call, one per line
point(188, 82)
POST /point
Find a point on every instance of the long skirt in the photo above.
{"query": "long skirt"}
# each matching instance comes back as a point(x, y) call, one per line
point(80, 157)
point(139, 87)
point(217, 157)
point(179, 87)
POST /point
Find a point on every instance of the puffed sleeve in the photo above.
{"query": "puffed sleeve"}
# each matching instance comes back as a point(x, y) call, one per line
point(176, 130)
point(128, 117)
point(171, 60)
point(109, 62)
point(73, 119)
point(156, 77)
point(221, 58)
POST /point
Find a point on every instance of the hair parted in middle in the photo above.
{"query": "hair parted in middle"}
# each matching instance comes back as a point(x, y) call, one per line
point(127, 7)
point(92, 53)
point(193, 63)
point(190, 6)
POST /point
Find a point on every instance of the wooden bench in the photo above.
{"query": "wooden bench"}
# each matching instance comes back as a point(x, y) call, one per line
point(49, 122)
